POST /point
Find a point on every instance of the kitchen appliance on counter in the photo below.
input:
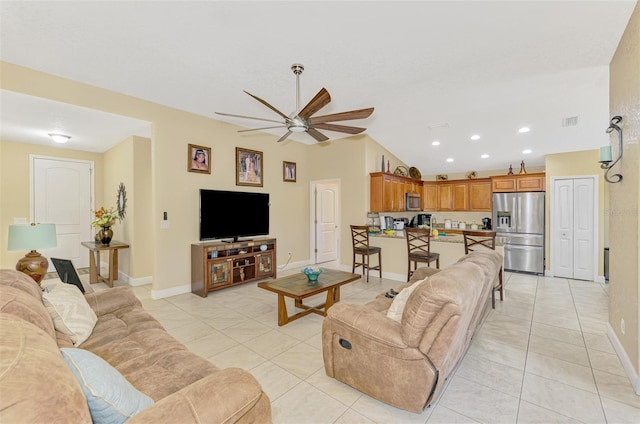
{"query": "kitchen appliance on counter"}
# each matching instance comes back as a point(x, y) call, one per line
point(387, 223)
point(519, 219)
point(400, 223)
point(421, 220)
point(486, 223)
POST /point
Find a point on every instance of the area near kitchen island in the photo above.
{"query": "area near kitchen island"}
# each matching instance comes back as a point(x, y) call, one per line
point(394, 252)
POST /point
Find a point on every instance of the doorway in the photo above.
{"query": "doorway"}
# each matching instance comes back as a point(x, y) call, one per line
point(62, 194)
point(325, 220)
point(574, 223)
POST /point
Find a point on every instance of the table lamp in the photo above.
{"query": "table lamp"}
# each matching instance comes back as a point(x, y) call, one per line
point(32, 237)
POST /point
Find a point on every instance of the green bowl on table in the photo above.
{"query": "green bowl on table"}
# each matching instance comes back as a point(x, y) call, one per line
point(312, 273)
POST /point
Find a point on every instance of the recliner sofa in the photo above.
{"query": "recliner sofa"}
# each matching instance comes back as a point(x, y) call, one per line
point(405, 364)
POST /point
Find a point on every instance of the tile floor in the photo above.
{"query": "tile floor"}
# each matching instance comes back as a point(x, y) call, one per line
point(542, 356)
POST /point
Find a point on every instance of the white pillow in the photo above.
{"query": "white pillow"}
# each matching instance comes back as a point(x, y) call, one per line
point(397, 306)
point(70, 312)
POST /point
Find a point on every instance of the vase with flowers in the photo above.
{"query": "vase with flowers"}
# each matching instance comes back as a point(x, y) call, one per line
point(105, 219)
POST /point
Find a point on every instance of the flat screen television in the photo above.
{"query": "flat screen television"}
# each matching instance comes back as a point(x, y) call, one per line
point(233, 214)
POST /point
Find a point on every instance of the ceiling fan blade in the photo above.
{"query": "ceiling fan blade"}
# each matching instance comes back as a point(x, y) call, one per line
point(264, 128)
point(343, 116)
point(340, 128)
point(250, 117)
point(284, 136)
point(268, 105)
point(317, 134)
point(318, 102)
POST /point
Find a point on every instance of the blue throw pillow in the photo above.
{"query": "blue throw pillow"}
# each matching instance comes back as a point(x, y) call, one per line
point(111, 398)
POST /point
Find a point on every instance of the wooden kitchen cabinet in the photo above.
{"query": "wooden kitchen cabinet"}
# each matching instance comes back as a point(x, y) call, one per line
point(445, 196)
point(518, 182)
point(453, 196)
point(531, 182)
point(480, 195)
point(387, 191)
point(430, 196)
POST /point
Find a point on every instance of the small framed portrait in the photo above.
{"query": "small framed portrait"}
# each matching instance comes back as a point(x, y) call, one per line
point(248, 167)
point(289, 171)
point(199, 159)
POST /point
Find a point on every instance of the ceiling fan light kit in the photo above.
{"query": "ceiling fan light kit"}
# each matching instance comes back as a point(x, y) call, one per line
point(302, 120)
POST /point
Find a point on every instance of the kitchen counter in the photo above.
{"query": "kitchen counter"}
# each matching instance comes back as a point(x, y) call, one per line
point(394, 251)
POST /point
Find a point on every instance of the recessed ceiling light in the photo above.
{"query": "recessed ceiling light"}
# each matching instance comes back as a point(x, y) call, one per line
point(526, 151)
point(60, 138)
point(524, 130)
point(475, 137)
point(435, 143)
point(449, 159)
point(484, 156)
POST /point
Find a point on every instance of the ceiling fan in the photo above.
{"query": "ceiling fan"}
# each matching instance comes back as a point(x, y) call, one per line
point(303, 121)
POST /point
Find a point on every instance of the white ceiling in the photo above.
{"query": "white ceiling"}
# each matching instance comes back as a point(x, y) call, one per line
point(433, 70)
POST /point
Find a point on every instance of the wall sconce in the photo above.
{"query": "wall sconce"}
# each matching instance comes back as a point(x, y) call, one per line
point(605, 152)
point(32, 237)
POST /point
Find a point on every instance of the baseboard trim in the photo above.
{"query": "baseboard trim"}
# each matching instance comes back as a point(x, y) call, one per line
point(173, 291)
point(624, 359)
point(142, 281)
point(600, 279)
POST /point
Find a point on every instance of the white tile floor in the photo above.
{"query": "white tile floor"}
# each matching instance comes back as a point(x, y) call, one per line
point(541, 356)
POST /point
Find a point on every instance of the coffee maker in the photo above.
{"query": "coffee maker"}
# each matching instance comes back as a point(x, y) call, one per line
point(486, 223)
point(424, 219)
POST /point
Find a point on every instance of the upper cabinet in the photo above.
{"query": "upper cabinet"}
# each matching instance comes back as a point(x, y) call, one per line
point(519, 182)
point(457, 195)
point(480, 195)
point(387, 191)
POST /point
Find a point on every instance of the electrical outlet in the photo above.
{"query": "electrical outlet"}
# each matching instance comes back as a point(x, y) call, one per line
point(622, 326)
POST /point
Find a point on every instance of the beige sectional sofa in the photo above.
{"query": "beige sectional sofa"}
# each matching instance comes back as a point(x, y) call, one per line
point(405, 364)
point(37, 385)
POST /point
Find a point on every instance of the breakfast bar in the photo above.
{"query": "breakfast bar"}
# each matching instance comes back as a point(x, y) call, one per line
point(394, 251)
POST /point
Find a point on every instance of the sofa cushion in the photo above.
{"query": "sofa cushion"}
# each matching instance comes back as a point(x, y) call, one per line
point(25, 305)
point(36, 384)
point(21, 281)
point(111, 398)
point(70, 312)
point(397, 306)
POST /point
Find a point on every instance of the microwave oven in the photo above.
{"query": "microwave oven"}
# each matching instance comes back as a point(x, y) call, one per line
point(413, 202)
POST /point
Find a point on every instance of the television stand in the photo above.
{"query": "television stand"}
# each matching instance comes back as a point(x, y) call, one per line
point(221, 264)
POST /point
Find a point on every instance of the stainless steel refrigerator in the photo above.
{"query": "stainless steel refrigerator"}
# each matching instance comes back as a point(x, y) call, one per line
point(519, 218)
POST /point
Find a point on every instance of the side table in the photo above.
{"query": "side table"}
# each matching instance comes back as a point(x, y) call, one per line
point(94, 260)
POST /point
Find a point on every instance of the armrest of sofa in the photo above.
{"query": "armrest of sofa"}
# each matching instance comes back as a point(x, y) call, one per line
point(367, 322)
point(108, 301)
point(228, 396)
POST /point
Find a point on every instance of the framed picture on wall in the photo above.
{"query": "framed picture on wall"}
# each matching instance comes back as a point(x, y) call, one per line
point(199, 159)
point(248, 167)
point(289, 171)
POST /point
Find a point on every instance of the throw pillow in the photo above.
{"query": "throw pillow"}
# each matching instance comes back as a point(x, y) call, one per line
point(397, 306)
point(111, 398)
point(70, 312)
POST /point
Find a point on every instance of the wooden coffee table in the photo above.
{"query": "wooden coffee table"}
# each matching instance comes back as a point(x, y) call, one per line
point(297, 286)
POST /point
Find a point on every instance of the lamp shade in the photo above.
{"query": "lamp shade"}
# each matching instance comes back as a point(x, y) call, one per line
point(32, 237)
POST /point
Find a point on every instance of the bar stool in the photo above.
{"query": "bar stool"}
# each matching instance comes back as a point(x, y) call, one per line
point(474, 240)
point(419, 249)
point(360, 240)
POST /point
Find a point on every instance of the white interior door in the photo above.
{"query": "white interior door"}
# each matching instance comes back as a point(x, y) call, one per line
point(562, 232)
point(61, 194)
point(573, 228)
point(326, 222)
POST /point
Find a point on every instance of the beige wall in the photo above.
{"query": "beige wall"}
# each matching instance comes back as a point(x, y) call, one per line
point(624, 220)
point(174, 190)
point(575, 164)
point(129, 163)
point(14, 185)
